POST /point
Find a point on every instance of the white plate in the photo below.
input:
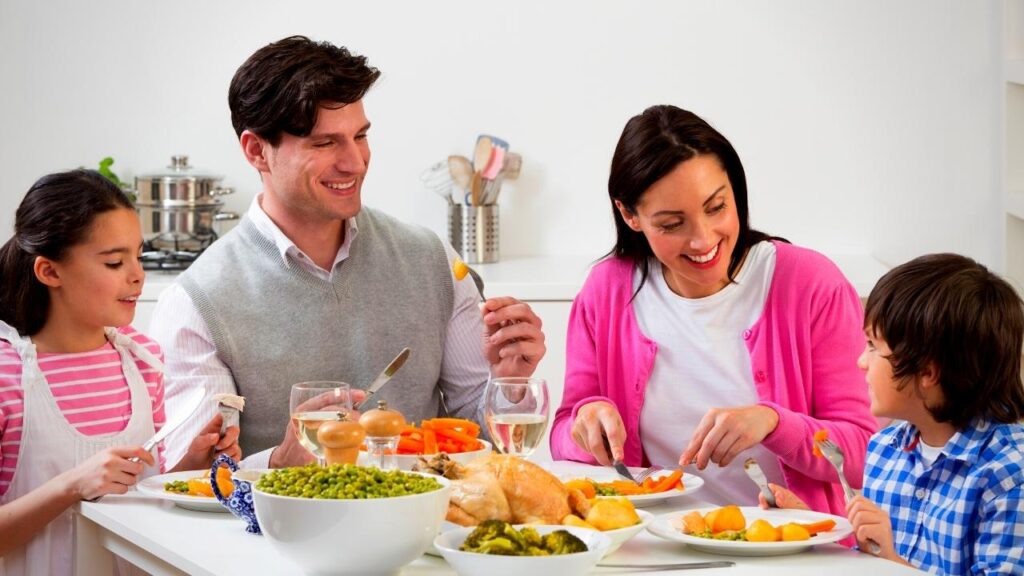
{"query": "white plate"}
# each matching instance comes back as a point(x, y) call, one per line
point(154, 486)
point(691, 483)
point(668, 526)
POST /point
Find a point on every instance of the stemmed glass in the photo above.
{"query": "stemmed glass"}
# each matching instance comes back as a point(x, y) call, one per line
point(516, 411)
point(313, 403)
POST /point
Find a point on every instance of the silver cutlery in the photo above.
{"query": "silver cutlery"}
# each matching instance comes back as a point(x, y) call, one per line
point(755, 473)
point(384, 377)
point(676, 566)
point(834, 454)
point(619, 466)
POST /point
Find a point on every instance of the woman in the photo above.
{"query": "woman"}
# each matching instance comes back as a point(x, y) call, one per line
point(699, 338)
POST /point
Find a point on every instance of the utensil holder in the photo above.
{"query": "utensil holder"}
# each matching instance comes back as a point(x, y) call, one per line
point(473, 232)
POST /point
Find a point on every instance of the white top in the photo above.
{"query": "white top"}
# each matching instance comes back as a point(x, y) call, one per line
point(929, 454)
point(703, 363)
point(191, 356)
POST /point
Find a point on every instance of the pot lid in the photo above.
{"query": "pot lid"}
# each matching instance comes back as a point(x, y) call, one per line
point(179, 168)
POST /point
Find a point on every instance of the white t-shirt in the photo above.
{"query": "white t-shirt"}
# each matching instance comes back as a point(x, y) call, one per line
point(702, 363)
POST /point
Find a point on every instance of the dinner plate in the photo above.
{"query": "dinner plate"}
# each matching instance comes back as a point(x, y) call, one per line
point(154, 486)
point(669, 527)
point(691, 483)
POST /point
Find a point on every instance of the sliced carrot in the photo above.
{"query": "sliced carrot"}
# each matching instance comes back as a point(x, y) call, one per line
point(819, 526)
point(455, 435)
point(405, 443)
point(666, 483)
point(455, 423)
point(429, 441)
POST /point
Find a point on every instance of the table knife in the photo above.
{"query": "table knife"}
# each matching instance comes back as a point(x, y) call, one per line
point(384, 376)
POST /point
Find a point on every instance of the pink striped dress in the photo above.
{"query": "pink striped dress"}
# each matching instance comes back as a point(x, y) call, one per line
point(90, 389)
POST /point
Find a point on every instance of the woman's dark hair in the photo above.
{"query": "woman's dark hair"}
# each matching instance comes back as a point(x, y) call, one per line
point(56, 214)
point(951, 312)
point(282, 85)
point(651, 146)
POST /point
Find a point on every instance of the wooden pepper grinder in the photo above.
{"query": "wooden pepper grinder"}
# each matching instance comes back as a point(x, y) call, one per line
point(341, 440)
point(383, 429)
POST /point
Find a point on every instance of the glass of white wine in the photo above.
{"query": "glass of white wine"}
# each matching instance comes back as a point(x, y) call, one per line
point(313, 403)
point(516, 411)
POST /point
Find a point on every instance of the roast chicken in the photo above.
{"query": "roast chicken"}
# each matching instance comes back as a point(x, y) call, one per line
point(502, 487)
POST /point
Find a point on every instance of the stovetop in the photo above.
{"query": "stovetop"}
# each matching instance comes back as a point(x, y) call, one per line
point(173, 253)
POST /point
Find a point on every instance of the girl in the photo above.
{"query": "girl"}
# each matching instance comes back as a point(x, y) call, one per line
point(77, 398)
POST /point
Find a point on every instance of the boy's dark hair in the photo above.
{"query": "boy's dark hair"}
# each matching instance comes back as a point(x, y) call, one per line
point(652, 144)
point(282, 85)
point(950, 311)
point(56, 214)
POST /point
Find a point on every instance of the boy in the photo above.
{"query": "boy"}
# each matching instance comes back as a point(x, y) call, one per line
point(944, 483)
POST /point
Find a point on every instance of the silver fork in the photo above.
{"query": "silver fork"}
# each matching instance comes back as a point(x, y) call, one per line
point(650, 470)
point(834, 454)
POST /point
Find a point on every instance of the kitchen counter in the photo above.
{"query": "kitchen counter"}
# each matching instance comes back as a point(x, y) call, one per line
point(559, 278)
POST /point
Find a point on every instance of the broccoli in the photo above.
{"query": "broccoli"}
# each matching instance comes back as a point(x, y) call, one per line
point(563, 542)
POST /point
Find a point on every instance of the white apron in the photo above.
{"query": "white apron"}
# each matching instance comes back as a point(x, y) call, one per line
point(50, 446)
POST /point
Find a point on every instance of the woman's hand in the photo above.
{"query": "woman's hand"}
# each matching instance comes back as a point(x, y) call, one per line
point(107, 472)
point(514, 342)
point(784, 498)
point(725, 432)
point(598, 429)
point(209, 444)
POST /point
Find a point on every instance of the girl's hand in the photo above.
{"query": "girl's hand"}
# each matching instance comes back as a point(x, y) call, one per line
point(725, 432)
point(871, 523)
point(783, 499)
point(598, 429)
point(107, 472)
point(209, 444)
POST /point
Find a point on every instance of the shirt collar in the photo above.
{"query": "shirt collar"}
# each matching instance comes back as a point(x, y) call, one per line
point(285, 247)
point(966, 444)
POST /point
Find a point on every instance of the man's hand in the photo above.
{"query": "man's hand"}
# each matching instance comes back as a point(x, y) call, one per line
point(598, 429)
point(725, 432)
point(290, 452)
point(209, 444)
point(513, 341)
point(107, 472)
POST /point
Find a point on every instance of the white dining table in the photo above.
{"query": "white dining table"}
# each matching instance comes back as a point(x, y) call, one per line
point(162, 538)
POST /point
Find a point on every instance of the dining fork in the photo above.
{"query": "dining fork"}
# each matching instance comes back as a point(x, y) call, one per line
point(834, 455)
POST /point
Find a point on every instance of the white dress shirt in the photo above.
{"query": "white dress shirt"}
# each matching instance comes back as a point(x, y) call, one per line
point(192, 360)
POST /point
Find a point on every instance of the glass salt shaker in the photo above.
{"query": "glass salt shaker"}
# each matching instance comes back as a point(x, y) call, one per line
point(383, 429)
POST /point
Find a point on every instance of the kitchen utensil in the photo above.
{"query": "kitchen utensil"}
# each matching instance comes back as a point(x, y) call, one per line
point(834, 454)
point(179, 185)
point(753, 470)
point(461, 171)
point(193, 398)
point(651, 470)
point(482, 153)
point(619, 466)
point(385, 376)
point(437, 180)
point(512, 165)
point(666, 567)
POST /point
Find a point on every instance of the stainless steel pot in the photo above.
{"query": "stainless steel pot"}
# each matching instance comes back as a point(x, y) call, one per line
point(179, 185)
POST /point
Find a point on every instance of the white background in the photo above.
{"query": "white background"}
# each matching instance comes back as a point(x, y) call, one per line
point(866, 126)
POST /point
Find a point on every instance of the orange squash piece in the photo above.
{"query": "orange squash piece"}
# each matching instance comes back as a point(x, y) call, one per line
point(794, 533)
point(761, 530)
point(728, 518)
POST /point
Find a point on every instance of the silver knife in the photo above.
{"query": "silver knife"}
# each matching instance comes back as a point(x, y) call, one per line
point(678, 566)
point(757, 475)
point(191, 403)
point(384, 376)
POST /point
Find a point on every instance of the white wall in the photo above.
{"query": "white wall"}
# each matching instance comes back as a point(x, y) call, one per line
point(865, 126)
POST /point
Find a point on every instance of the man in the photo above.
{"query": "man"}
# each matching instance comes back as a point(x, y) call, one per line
point(312, 286)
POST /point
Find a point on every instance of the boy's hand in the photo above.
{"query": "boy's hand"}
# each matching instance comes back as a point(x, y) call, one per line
point(871, 523)
point(784, 498)
point(209, 444)
point(107, 472)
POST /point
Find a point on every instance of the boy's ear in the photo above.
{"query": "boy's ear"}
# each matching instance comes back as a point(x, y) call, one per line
point(46, 272)
point(928, 378)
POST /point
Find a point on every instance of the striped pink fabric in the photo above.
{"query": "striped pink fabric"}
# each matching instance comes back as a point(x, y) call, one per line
point(90, 389)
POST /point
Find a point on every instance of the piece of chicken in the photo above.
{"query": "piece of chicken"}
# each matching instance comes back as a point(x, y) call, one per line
point(501, 487)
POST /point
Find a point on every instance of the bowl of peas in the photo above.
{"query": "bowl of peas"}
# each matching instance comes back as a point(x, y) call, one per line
point(350, 518)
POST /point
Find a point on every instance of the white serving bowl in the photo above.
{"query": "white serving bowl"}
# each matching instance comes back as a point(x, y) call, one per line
point(474, 564)
point(407, 461)
point(371, 536)
point(619, 536)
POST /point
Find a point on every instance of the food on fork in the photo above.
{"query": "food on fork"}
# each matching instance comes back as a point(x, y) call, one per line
point(459, 269)
point(728, 523)
point(200, 485)
point(819, 436)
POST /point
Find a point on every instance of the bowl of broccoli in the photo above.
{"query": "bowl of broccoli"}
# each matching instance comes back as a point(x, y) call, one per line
point(497, 548)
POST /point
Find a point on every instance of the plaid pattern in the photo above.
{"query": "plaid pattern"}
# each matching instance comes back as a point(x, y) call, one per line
point(964, 514)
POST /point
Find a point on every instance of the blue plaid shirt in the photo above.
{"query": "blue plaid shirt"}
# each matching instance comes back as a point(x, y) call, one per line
point(965, 513)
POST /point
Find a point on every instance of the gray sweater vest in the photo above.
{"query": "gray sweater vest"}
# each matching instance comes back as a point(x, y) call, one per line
point(275, 324)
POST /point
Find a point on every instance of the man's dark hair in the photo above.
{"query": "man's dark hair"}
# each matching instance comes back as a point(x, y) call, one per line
point(951, 312)
point(281, 87)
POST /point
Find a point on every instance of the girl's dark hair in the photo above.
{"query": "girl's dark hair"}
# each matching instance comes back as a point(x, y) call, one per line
point(651, 146)
point(56, 214)
point(949, 311)
point(282, 85)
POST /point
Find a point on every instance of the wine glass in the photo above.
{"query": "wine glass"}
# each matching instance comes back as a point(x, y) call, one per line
point(516, 412)
point(313, 403)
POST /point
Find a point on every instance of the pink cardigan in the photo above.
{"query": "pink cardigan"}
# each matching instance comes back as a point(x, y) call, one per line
point(803, 355)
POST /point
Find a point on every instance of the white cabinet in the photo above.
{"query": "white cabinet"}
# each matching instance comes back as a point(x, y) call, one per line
point(1013, 160)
